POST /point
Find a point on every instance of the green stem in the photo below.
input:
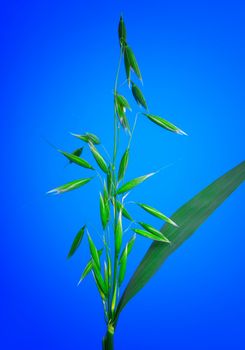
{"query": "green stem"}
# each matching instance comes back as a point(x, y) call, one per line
point(108, 341)
point(115, 112)
point(116, 137)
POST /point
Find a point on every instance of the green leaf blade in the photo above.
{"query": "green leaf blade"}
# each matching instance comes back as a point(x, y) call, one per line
point(190, 216)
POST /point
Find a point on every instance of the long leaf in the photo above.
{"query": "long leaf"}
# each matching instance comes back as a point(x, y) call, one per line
point(189, 217)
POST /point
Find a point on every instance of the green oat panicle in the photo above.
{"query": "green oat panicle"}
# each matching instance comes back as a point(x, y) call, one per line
point(118, 230)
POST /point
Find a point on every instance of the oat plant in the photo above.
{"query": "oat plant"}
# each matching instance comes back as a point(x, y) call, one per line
point(108, 262)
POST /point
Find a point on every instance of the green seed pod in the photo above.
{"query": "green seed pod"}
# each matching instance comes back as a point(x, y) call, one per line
point(125, 213)
point(77, 153)
point(73, 185)
point(100, 282)
point(121, 115)
point(98, 158)
point(94, 252)
point(88, 268)
point(127, 65)
point(118, 233)
point(138, 95)
point(109, 181)
point(150, 235)
point(114, 300)
point(157, 213)
point(123, 102)
point(122, 34)
point(76, 242)
point(88, 137)
point(153, 230)
point(133, 62)
point(123, 265)
point(133, 183)
point(104, 211)
point(77, 160)
point(164, 124)
point(123, 165)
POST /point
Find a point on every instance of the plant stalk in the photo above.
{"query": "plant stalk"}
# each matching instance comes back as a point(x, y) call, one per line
point(116, 137)
point(108, 340)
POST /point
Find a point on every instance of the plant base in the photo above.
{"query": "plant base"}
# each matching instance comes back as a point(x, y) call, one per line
point(108, 340)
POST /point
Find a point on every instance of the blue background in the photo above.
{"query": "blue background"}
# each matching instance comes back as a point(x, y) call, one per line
point(58, 63)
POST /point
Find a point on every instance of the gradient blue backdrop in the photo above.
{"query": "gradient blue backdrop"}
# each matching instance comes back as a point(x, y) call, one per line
point(58, 62)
